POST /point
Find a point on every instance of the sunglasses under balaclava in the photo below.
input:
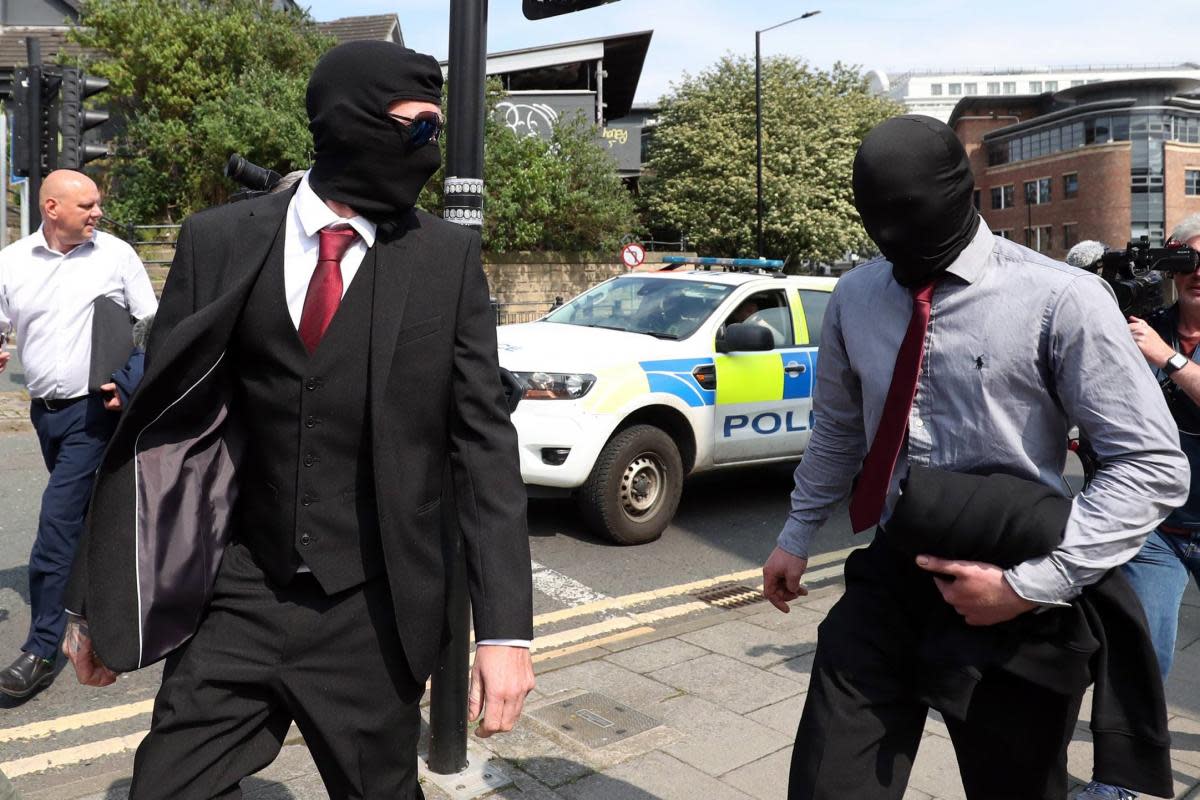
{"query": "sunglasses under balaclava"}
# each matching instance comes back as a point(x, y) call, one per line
point(362, 157)
point(913, 189)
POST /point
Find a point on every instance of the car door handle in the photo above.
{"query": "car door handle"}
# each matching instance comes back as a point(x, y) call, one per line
point(793, 369)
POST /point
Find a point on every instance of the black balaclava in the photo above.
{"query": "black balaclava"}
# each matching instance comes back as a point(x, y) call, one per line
point(362, 157)
point(912, 188)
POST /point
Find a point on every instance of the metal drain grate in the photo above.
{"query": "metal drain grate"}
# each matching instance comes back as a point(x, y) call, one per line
point(594, 720)
point(730, 595)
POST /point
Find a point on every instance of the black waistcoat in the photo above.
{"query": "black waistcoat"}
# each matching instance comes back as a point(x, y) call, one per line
point(307, 492)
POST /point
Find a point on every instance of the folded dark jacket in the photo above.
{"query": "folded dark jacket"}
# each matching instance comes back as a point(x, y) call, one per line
point(1101, 639)
point(129, 376)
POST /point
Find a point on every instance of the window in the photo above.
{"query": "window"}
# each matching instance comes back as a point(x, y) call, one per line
point(970, 88)
point(935, 89)
point(1070, 236)
point(768, 310)
point(1038, 238)
point(1003, 233)
point(814, 304)
point(1077, 83)
point(993, 87)
point(1051, 86)
point(1070, 185)
point(955, 88)
point(1035, 87)
point(1191, 180)
point(1037, 192)
point(1002, 196)
point(1010, 87)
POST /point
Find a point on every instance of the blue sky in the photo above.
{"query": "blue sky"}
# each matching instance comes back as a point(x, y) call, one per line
point(892, 35)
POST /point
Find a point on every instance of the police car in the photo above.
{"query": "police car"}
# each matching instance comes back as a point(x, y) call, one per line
point(652, 376)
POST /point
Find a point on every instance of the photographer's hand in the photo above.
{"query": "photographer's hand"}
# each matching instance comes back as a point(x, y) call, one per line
point(1154, 349)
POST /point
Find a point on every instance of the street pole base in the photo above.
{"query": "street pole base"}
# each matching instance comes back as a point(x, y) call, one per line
point(482, 775)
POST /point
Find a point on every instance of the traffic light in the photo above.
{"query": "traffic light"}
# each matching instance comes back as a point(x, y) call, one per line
point(75, 120)
point(35, 121)
point(540, 9)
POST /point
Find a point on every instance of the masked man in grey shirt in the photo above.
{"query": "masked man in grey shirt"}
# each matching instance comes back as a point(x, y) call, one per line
point(1016, 349)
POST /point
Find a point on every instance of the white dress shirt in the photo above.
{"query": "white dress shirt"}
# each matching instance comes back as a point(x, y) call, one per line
point(47, 296)
point(307, 215)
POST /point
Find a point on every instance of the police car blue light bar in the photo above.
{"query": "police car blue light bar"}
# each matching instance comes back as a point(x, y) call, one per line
point(706, 261)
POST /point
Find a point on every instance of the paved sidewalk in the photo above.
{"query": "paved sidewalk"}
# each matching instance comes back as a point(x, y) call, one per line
point(14, 412)
point(704, 709)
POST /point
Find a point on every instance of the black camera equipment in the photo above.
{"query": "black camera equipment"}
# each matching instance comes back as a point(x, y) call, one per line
point(1135, 274)
point(257, 180)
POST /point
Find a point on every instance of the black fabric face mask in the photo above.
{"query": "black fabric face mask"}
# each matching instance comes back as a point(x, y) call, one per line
point(363, 157)
point(912, 188)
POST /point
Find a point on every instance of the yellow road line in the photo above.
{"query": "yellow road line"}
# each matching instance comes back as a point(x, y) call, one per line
point(640, 598)
point(633, 619)
point(576, 648)
point(72, 755)
point(87, 719)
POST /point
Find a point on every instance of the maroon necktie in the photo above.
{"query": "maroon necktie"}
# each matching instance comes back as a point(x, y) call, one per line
point(866, 505)
point(325, 287)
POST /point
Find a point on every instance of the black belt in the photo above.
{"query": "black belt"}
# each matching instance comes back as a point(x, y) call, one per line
point(54, 404)
point(1175, 530)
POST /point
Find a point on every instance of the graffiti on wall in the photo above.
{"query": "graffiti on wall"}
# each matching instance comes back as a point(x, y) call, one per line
point(527, 119)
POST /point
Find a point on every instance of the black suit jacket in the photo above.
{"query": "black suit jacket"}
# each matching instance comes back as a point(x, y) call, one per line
point(444, 450)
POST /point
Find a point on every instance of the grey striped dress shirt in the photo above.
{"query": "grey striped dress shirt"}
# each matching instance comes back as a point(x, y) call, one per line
point(1019, 348)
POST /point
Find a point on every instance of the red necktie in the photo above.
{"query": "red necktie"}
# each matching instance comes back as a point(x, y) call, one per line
point(866, 506)
point(325, 286)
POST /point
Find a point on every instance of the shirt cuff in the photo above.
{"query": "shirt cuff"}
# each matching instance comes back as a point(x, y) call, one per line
point(1040, 581)
point(796, 537)
point(504, 643)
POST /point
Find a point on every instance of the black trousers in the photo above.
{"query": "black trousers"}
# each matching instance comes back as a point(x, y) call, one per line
point(864, 716)
point(266, 655)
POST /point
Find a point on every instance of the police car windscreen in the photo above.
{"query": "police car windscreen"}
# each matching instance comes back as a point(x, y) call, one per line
point(661, 307)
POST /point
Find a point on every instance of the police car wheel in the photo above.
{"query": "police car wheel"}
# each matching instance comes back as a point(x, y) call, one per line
point(634, 487)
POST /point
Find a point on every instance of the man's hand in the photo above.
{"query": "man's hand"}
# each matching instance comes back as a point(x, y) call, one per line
point(978, 591)
point(1154, 349)
point(77, 646)
point(500, 679)
point(781, 578)
point(111, 403)
point(4, 357)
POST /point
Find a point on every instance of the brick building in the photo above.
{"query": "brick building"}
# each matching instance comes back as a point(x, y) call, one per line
point(1108, 161)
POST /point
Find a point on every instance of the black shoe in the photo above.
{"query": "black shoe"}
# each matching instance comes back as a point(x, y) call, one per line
point(26, 675)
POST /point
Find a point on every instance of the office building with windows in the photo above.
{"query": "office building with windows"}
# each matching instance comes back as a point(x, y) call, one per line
point(1110, 161)
point(935, 93)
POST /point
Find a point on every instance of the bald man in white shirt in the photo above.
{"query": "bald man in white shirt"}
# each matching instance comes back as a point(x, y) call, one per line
point(48, 283)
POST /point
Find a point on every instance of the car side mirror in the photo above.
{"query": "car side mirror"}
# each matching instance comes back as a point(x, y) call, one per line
point(740, 337)
point(513, 389)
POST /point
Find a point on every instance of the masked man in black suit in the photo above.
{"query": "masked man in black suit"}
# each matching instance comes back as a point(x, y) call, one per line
point(320, 416)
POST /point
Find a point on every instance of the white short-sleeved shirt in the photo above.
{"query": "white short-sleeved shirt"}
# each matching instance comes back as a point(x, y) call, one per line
point(47, 296)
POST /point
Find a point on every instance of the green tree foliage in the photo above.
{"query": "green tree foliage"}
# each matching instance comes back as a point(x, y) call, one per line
point(702, 159)
point(561, 193)
point(196, 80)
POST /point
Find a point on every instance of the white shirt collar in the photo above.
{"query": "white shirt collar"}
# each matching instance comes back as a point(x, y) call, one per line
point(315, 215)
point(38, 239)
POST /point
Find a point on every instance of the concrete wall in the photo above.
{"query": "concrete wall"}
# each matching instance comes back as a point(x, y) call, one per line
point(526, 285)
point(532, 281)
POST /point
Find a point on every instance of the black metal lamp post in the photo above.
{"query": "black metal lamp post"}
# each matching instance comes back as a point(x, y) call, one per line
point(758, 121)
